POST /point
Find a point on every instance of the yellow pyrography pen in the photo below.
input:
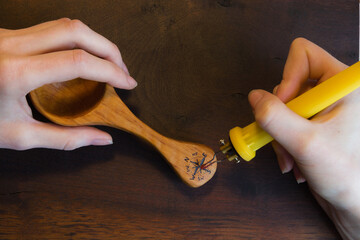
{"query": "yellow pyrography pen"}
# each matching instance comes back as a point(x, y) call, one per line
point(245, 141)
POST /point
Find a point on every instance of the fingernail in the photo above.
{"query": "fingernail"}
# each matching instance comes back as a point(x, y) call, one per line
point(132, 83)
point(275, 89)
point(284, 170)
point(254, 97)
point(286, 167)
point(300, 180)
point(101, 142)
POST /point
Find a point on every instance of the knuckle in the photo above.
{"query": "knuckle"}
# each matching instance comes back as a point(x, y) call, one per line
point(299, 43)
point(64, 20)
point(70, 145)
point(75, 25)
point(20, 139)
point(79, 57)
point(266, 114)
point(8, 71)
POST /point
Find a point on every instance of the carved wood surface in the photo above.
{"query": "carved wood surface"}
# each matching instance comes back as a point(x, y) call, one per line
point(80, 102)
point(195, 62)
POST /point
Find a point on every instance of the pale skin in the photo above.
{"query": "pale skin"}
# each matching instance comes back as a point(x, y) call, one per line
point(323, 151)
point(52, 52)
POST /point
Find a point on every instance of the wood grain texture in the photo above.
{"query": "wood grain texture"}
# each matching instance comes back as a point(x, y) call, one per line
point(80, 102)
point(195, 61)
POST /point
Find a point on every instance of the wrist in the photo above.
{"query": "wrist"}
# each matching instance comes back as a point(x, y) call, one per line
point(346, 220)
point(344, 210)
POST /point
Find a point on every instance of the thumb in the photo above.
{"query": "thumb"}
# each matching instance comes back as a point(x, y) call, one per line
point(285, 126)
point(43, 135)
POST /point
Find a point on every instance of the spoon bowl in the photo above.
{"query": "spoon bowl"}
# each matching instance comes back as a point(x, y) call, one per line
point(69, 99)
point(82, 102)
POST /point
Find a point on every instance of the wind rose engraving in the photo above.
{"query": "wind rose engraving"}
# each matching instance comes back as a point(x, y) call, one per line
point(196, 165)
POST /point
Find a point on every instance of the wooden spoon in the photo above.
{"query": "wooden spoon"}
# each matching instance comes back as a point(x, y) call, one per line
point(81, 102)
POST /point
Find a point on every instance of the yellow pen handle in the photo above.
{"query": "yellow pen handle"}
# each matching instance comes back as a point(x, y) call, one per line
point(250, 138)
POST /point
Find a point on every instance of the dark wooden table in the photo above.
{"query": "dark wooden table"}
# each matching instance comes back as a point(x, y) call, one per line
point(195, 61)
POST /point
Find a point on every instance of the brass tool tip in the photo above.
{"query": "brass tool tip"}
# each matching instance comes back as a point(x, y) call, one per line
point(228, 150)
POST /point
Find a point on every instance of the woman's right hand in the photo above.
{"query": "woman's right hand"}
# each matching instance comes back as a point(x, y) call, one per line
point(324, 151)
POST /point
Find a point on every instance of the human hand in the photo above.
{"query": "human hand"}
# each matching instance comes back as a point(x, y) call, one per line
point(324, 151)
point(52, 52)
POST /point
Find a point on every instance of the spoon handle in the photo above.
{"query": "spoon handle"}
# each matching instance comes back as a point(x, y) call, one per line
point(113, 112)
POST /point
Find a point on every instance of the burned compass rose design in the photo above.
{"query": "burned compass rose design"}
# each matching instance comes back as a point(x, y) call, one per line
point(197, 165)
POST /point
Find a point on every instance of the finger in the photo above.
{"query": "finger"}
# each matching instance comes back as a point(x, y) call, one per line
point(35, 71)
point(17, 42)
point(285, 159)
point(42, 135)
point(275, 90)
point(298, 175)
point(65, 34)
point(286, 127)
point(35, 28)
point(306, 61)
